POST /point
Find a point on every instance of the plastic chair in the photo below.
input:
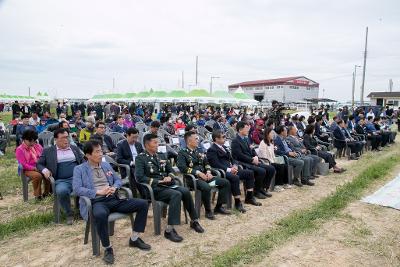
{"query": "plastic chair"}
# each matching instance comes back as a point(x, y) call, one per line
point(116, 137)
point(159, 207)
point(90, 223)
point(25, 181)
point(197, 193)
point(204, 133)
point(46, 138)
point(125, 179)
point(9, 134)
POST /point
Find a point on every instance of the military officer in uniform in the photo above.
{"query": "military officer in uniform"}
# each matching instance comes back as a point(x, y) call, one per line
point(191, 161)
point(151, 169)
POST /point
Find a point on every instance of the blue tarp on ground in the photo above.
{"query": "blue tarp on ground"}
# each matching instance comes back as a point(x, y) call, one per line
point(387, 196)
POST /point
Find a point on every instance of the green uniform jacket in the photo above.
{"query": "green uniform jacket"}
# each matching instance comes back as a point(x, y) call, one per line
point(150, 169)
point(190, 161)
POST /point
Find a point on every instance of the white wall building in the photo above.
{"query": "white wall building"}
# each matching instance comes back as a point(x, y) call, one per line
point(290, 89)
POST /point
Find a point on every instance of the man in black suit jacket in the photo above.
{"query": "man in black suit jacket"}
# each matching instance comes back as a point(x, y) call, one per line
point(127, 150)
point(247, 157)
point(342, 137)
point(59, 162)
point(219, 157)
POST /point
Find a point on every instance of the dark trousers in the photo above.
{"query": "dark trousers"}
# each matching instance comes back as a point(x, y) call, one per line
point(281, 176)
point(355, 147)
point(174, 196)
point(103, 206)
point(248, 180)
point(376, 141)
point(133, 185)
point(223, 186)
point(262, 174)
point(385, 138)
point(328, 158)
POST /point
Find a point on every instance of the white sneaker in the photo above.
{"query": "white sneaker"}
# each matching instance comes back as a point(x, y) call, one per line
point(287, 186)
point(278, 188)
point(1, 154)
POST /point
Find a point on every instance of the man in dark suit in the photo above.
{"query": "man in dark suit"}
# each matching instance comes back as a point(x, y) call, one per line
point(220, 157)
point(59, 162)
point(108, 146)
point(127, 150)
point(247, 157)
point(342, 137)
point(374, 137)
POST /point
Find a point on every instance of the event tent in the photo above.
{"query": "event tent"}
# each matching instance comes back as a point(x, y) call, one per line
point(178, 96)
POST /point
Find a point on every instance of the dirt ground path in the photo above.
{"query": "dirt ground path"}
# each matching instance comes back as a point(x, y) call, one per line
point(363, 235)
point(59, 245)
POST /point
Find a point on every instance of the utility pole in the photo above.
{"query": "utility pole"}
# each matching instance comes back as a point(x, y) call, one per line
point(183, 79)
point(113, 84)
point(29, 91)
point(390, 85)
point(365, 65)
point(354, 84)
point(211, 82)
point(197, 68)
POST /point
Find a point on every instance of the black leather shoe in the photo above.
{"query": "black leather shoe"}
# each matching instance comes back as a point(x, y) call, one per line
point(262, 191)
point(196, 226)
point(297, 183)
point(307, 183)
point(315, 176)
point(222, 210)
point(252, 201)
point(268, 194)
point(173, 236)
point(108, 256)
point(139, 243)
point(240, 208)
point(210, 215)
point(259, 195)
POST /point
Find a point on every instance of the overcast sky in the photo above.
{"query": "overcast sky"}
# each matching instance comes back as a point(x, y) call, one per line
point(75, 48)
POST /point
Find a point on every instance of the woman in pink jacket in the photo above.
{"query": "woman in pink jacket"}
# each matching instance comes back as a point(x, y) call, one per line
point(27, 155)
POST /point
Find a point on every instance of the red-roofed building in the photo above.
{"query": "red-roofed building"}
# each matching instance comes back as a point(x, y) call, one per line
point(289, 89)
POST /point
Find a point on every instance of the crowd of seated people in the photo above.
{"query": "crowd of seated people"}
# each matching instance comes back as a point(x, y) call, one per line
point(214, 150)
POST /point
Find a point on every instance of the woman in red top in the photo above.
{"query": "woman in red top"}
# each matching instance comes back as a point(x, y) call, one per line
point(27, 155)
point(179, 124)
